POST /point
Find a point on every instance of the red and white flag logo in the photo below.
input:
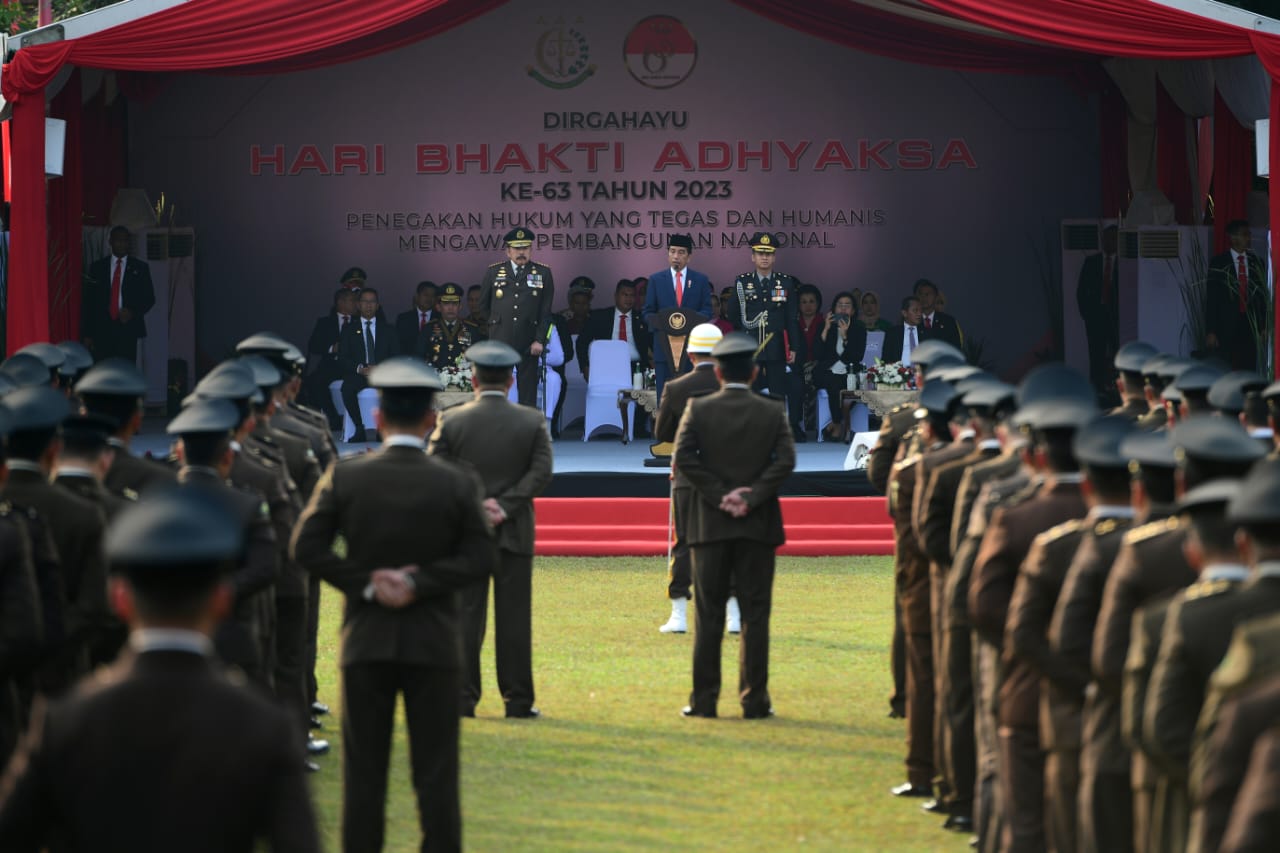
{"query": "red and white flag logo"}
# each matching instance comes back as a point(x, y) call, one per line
point(660, 52)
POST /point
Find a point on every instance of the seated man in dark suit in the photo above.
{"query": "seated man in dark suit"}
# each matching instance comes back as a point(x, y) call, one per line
point(116, 297)
point(935, 323)
point(368, 341)
point(620, 322)
point(322, 353)
point(902, 339)
point(137, 758)
point(409, 324)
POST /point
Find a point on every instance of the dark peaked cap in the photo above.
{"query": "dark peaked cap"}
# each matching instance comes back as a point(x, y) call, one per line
point(1054, 381)
point(1150, 449)
point(1257, 496)
point(403, 372)
point(1209, 494)
point(231, 380)
point(1198, 377)
point(1100, 443)
point(173, 528)
point(494, 355)
point(1215, 439)
point(26, 370)
point(265, 373)
point(113, 377)
point(263, 342)
point(1133, 356)
point(1228, 393)
point(928, 352)
point(46, 352)
point(734, 345)
point(205, 416)
point(936, 399)
point(36, 407)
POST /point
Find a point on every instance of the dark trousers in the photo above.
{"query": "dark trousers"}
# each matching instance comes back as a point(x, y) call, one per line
point(775, 380)
point(961, 747)
point(834, 383)
point(942, 773)
point(1103, 336)
point(351, 388)
point(313, 629)
point(1106, 813)
point(315, 388)
point(920, 706)
point(113, 341)
point(679, 573)
point(291, 656)
point(369, 692)
point(1062, 782)
point(528, 374)
point(1022, 790)
point(749, 567)
point(898, 661)
point(513, 633)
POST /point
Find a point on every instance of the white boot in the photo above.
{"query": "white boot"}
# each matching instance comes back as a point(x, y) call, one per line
point(679, 621)
point(733, 616)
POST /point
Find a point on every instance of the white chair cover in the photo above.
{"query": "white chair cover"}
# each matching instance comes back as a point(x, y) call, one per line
point(610, 373)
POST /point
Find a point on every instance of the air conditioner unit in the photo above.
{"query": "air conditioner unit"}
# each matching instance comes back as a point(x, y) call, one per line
point(171, 324)
point(1164, 267)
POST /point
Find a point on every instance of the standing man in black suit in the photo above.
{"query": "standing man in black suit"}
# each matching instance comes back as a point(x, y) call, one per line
point(516, 296)
point(368, 341)
point(735, 449)
point(411, 323)
point(322, 349)
point(510, 449)
point(115, 300)
point(1098, 298)
point(1236, 301)
point(901, 341)
point(98, 772)
point(765, 303)
point(935, 323)
point(410, 548)
point(621, 322)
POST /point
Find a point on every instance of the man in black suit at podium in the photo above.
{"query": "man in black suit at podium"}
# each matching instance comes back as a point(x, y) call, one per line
point(115, 299)
point(1235, 301)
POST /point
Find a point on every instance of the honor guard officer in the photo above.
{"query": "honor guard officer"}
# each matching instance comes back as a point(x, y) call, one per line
point(765, 305)
point(204, 429)
point(735, 449)
point(416, 533)
point(516, 296)
point(511, 450)
point(138, 758)
point(114, 389)
point(446, 338)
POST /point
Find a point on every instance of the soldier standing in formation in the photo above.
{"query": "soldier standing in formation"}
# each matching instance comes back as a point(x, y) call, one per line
point(516, 296)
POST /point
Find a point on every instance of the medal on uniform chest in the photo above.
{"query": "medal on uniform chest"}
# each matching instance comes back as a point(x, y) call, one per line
point(501, 280)
point(535, 281)
point(779, 293)
point(498, 293)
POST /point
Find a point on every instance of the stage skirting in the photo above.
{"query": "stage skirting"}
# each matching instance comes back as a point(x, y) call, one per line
point(614, 527)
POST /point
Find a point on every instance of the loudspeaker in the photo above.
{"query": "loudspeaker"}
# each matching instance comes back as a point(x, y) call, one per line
point(55, 144)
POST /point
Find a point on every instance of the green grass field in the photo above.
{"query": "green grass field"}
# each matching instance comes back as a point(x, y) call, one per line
point(612, 766)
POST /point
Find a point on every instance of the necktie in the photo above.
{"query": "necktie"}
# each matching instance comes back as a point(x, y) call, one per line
point(115, 289)
point(1242, 277)
point(622, 327)
point(422, 320)
point(1108, 272)
point(343, 327)
point(928, 323)
point(368, 342)
point(679, 288)
point(911, 339)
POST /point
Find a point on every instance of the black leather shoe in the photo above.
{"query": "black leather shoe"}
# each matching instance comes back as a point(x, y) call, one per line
point(933, 806)
point(319, 709)
point(895, 714)
point(317, 747)
point(314, 723)
point(358, 437)
point(525, 714)
point(799, 436)
point(687, 711)
point(311, 767)
point(906, 789)
point(959, 823)
point(467, 712)
point(758, 715)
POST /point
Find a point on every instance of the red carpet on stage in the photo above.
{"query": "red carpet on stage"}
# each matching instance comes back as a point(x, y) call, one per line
point(613, 527)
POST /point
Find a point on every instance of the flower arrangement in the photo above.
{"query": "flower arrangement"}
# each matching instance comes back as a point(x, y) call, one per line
point(894, 375)
point(457, 377)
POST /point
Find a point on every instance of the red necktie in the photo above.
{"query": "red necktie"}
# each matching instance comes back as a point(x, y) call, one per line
point(1108, 270)
point(345, 318)
point(115, 289)
point(928, 323)
point(679, 289)
point(422, 320)
point(622, 327)
point(1242, 276)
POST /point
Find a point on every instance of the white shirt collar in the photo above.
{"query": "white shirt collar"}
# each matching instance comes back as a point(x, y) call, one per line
point(1268, 569)
point(1074, 477)
point(73, 471)
point(1225, 572)
point(742, 386)
point(404, 441)
point(965, 434)
point(235, 445)
point(989, 444)
point(170, 640)
point(1111, 511)
point(1261, 432)
point(502, 394)
point(25, 465)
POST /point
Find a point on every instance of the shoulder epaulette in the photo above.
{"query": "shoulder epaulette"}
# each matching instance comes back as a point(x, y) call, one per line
point(1060, 530)
point(1106, 527)
point(128, 494)
point(1150, 530)
point(1205, 589)
point(904, 464)
point(5, 507)
point(496, 264)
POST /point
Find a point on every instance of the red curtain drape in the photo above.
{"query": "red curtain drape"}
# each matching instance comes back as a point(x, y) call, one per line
point(1232, 170)
point(1173, 174)
point(883, 33)
point(245, 36)
point(1113, 154)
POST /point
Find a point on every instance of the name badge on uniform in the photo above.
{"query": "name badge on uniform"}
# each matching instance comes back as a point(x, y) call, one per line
point(535, 281)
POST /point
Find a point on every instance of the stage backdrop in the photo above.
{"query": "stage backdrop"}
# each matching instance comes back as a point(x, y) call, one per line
point(602, 127)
